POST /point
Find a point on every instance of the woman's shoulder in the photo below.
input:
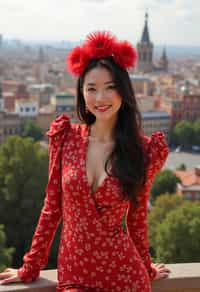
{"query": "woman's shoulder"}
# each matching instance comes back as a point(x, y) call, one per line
point(156, 141)
point(156, 149)
point(62, 123)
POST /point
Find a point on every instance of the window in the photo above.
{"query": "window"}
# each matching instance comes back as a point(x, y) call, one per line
point(188, 196)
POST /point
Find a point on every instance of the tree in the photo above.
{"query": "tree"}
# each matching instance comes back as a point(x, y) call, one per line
point(23, 177)
point(182, 166)
point(164, 182)
point(5, 253)
point(197, 131)
point(163, 205)
point(178, 235)
point(183, 133)
point(31, 130)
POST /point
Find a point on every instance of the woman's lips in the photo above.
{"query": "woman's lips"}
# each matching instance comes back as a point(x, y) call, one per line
point(102, 108)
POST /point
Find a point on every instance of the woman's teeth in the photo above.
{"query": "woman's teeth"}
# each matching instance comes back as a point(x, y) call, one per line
point(105, 107)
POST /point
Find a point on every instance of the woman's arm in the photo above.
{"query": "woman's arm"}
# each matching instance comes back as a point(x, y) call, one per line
point(50, 216)
point(157, 151)
point(138, 230)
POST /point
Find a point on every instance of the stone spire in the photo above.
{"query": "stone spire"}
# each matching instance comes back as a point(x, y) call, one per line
point(145, 50)
point(145, 35)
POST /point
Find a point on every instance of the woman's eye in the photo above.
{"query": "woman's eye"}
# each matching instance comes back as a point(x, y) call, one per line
point(91, 89)
point(111, 87)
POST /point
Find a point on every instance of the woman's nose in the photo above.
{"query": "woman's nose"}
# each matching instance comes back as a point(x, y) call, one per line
point(100, 94)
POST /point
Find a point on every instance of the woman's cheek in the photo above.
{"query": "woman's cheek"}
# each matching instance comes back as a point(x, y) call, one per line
point(90, 99)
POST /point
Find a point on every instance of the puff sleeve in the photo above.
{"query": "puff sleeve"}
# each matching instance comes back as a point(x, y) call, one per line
point(156, 150)
point(51, 213)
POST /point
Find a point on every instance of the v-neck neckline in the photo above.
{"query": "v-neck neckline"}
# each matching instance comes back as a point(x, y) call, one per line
point(87, 131)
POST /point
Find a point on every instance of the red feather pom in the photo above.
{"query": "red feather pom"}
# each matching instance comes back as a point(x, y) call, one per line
point(100, 44)
point(77, 60)
point(125, 54)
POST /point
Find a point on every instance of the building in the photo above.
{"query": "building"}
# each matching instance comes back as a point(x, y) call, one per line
point(10, 125)
point(181, 101)
point(9, 85)
point(187, 105)
point(11, 91)
point(189, 188)
point(145, 48)
point(9, 101)
point(163, 63)
point(64, 102)
point(142, 85)
point(42, 92)
point(156, 121)
point(40, 67)
point(26, 108)
point(43, 121)
point(145, 103)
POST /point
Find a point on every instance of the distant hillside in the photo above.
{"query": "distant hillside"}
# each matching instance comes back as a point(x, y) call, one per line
point(172, 51)
point(178, 51)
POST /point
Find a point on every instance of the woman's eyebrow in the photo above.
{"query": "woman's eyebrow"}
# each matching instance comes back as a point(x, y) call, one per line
point(90, 84)
point(108, 82)
point(93, 84)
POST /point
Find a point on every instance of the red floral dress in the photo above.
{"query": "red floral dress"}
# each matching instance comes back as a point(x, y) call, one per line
point(95, 252)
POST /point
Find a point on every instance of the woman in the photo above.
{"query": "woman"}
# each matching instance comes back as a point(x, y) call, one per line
point(100, 172)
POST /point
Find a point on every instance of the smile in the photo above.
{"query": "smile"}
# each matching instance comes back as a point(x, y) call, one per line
point(102, 108)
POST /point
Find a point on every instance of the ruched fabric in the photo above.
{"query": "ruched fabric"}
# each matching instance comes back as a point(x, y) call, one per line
point(95, 252)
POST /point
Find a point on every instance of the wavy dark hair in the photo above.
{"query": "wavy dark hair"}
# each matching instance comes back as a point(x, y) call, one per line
point(127, 157)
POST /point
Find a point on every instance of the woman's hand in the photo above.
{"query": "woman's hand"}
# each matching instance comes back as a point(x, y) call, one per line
point(162, 271)
point(9, 276)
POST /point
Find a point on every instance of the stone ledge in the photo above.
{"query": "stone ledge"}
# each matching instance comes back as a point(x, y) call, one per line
point(183, 278)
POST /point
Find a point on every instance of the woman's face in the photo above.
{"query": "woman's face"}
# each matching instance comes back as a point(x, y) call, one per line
point(100, 94)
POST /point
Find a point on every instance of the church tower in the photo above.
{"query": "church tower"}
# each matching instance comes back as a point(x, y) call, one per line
point(145, 50)
point(164, 61)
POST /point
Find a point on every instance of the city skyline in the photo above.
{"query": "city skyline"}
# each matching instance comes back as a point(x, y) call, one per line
point(172, 22)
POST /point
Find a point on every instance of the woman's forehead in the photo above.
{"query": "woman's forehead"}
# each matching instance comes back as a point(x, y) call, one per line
point(98, 75)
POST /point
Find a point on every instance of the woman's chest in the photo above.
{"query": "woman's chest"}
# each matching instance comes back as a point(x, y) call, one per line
point(84, 177)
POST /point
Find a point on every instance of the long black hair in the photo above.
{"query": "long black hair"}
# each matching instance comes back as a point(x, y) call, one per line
point(127, 157)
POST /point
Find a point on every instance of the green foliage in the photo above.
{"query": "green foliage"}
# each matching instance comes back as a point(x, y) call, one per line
point(178, 236)
point(182, 166)
point(186, 133)
point(31, 130)
point(163, 205)
point(164, 182)
point(5, 253)
point(197, 131)
point(23, 177)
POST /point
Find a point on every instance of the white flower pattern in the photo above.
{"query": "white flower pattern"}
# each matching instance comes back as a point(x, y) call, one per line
point(95, 253)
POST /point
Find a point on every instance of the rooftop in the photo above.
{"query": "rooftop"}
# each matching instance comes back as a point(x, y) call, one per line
point(155, 114)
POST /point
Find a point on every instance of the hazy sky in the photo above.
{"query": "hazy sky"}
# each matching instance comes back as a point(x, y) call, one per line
point(170, 21)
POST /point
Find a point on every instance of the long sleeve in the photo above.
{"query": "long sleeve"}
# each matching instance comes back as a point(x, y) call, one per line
point(51, 213)
point(137, 220)
point(138, 230)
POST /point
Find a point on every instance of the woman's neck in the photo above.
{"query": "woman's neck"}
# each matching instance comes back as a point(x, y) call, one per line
point(102, 131)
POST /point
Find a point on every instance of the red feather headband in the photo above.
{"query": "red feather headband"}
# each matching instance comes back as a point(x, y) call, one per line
point(100, 45)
